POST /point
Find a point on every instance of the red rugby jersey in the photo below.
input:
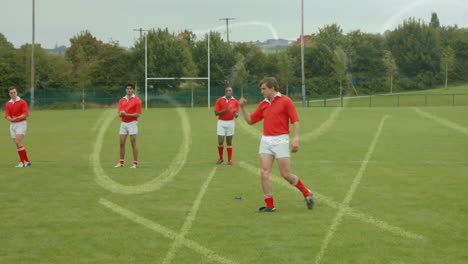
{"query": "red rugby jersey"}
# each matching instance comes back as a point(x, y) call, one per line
point(16, 108)
point(130, 105)
point(222, 103)
point(277, 115)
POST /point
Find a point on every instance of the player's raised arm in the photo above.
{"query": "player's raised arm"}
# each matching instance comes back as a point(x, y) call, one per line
point(243, 105)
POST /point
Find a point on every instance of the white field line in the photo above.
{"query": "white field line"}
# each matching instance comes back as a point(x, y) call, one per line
point(156, 183)
point(324, 127)
point(250, 129)
point(348, 211)
point(166, 232)
point(189, 220)
point(349, 195)
point(442, 121)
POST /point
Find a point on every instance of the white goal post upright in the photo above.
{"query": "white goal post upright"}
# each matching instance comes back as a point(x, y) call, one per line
point(174, 78)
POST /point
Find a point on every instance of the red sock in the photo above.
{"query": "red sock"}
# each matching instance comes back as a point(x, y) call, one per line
point(229, 151)
point(302, 188)
point(135, 162)
point(25, 155)
point(269, 200)
point(122, 161)
point(220, 151)
point(20, 154)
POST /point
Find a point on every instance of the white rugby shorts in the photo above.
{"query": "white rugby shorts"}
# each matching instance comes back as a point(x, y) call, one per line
point(226, 127)
point(130, 128)
point(18, 128)
point(277, 146)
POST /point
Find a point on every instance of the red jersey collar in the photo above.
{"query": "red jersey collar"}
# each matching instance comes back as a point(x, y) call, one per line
point(232, 97)
point(17, 99)
point(278, 94)
point(130, 97)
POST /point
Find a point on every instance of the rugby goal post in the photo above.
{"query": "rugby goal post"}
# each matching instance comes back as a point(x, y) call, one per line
point(175, 78)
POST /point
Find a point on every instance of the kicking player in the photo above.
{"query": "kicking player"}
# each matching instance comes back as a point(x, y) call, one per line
point(277, 110)
point(129, 110)
point(227, 109)
point(16, 111)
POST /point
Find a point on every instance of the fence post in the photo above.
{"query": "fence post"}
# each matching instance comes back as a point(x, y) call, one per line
point(341, 99)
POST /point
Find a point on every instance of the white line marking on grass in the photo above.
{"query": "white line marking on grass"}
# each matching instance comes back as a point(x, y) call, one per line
point(349, 195)
point(166, 232)
point(324, 127)
point(152, 185)
point(250, 129)
point(189, 220)
point(348, 211)
point(442, 121)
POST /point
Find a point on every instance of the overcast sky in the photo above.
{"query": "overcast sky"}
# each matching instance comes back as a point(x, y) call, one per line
point(59, 20)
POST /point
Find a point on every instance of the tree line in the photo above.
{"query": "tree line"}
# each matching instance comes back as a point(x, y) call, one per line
point(413, 56)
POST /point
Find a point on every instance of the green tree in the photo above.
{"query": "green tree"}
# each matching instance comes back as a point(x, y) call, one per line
point(365, 54)
point(390, 67)
point(168, 56)
point(447, 62)
point(12, 70)
point(434, 21)
point(285, 66)
point(416, 49)
point(340, 66)
point(222, 60)
point(255, 61)
point(331, 36)
point(240, 75)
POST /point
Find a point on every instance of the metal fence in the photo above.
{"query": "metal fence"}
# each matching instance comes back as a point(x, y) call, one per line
point(389, 100)
point(197, 97)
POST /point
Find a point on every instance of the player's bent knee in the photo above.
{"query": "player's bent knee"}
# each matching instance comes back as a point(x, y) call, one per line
point(265, 173)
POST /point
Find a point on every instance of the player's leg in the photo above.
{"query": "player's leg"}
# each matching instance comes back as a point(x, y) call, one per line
point(266, 163)
point(230, 125)
point(17, 133)
point(229, 149)
point(220, 148)
point(22, 150)
point(123, 140)
point(133, 132)
point(18, 140)
point(221, 132)
point(133, 140)
point(284, 165)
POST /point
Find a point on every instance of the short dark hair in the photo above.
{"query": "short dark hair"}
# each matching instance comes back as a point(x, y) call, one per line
point(131, 85)
point(12, 88)
point(270, 82)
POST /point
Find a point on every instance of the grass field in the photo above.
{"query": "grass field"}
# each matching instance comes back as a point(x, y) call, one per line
point(390, 184)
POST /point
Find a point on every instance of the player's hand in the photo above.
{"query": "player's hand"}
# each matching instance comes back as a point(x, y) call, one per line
point(122, 113)
point(242, 101)
point(295, 145)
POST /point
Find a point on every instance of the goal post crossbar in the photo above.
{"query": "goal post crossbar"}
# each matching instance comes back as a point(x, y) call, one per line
point(180, 78)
